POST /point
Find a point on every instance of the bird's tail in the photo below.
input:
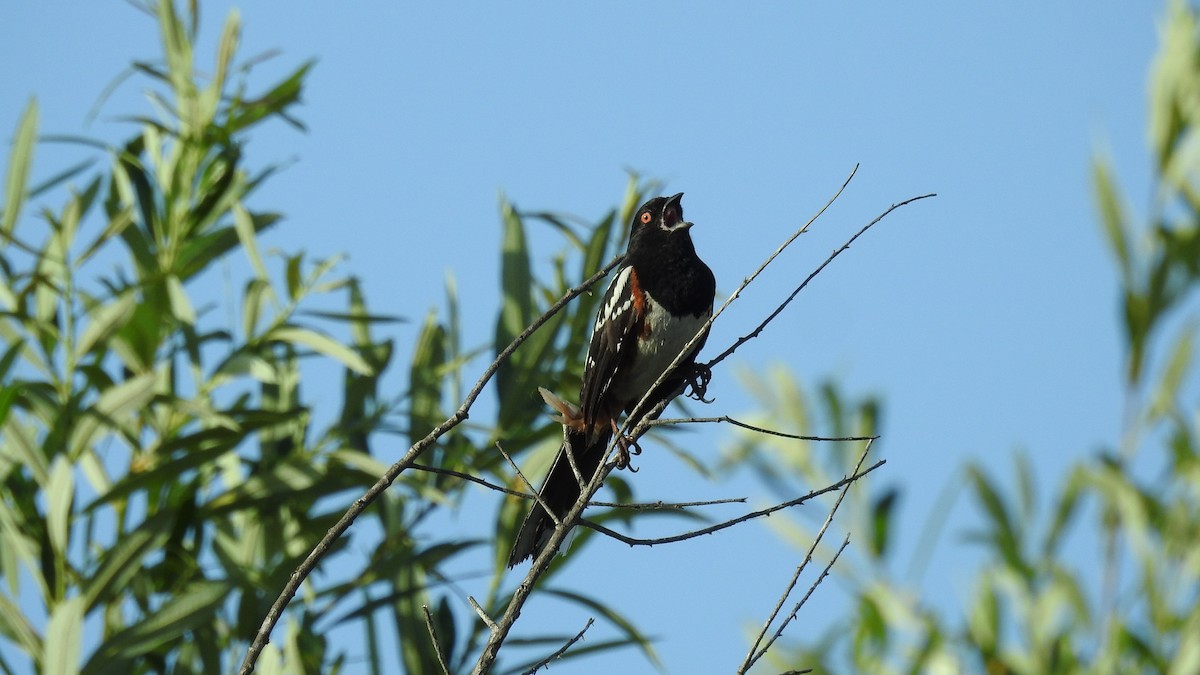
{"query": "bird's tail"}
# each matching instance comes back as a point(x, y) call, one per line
point(562, 487)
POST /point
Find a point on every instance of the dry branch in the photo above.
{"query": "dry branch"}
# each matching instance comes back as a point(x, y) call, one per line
point(754, 655)
point(634, 541)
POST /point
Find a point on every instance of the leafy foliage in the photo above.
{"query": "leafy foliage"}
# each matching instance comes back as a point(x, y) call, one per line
point(161, 471)
point(1037, 607)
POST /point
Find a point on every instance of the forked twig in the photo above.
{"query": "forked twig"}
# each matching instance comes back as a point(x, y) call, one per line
point(755, 653)
point(561, 650)
point(753, 334)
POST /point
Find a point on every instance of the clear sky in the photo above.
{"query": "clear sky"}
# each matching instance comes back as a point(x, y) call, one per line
point(985, 318)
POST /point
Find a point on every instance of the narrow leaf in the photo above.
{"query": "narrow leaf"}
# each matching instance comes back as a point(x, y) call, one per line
point(105, 320)
point(191, 607)
point(114, 407)
point(181, 306)
point(324, 345)
point(63, 635)
point(60, 493)
point(19, 164)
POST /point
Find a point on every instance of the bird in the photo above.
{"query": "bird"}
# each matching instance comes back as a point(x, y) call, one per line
point(660, 298)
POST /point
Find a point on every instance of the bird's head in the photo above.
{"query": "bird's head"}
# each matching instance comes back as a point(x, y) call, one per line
point(658, 219)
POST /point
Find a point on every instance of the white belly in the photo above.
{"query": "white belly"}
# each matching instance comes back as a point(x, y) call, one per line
point(667, 337)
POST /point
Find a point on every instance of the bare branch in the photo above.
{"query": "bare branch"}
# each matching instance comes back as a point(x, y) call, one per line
point(310, 562)
point(633, 541)
point(474, 479)
point(669, 506)
point(753, 334)
point(751, 427)
point(491, 624)
point(529, 485)
point(754, 655)
point(636, 506)
point(562, 650)
point(437, 647)
point(541, 562)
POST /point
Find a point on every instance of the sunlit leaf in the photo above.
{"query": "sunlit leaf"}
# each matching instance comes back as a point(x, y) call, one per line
point(15, 627)
point(193, 606)
point(322, 344)
point(20, 161)
point(123, 561)
point(114, 407)
point(104, 321)
point(60, 493)
point(181, 306)
point(63, 637)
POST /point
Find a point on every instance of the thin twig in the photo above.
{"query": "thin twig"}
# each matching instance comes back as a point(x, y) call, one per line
point(474, 479)
point(636, 506)
point(562, 650)
point(811, 589)
point(491, 624)
point(541, 562)
point(751, 427)
point(754, 655)
point(668, 506)
point(633, 541)
point(536, 495)
point(263, 636)
point(437, 646)
point(753, 334)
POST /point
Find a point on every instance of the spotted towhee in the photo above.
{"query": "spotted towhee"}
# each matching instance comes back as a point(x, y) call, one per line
point(660, 298)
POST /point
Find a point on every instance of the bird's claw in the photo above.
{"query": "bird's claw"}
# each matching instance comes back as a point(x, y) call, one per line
point(697, 382)
point(626, 447)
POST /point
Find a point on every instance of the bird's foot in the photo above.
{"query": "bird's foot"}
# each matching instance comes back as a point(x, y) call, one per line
point(697, 382)
point(627, 446)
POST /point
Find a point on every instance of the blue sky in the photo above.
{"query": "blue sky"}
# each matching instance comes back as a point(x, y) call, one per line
point(984, 318)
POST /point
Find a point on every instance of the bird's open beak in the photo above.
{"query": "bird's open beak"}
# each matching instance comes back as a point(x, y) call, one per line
point(673, 214)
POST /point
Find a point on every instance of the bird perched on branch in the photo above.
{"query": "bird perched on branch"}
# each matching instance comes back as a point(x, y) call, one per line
point(658, 301)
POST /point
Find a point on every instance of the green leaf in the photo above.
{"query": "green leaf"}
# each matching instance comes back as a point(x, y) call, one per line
point(322, 344)
point(425, 378)
point(1113, 218)
point(292, 275)
point(23, 449)
point(244, 224)
point(105, 320)
point(226, 48)
point(60, 493)
point(881, 521)
point(123, 561)
point(63, 636)
point(117, 223)
point(191, 607)
point(20, 162)
point(352, 317)
point(16, 628)
point(1173, 71)
point(114, 407)
point(181, 307)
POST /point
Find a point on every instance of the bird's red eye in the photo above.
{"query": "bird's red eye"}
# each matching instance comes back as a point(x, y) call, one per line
point(645, 217)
